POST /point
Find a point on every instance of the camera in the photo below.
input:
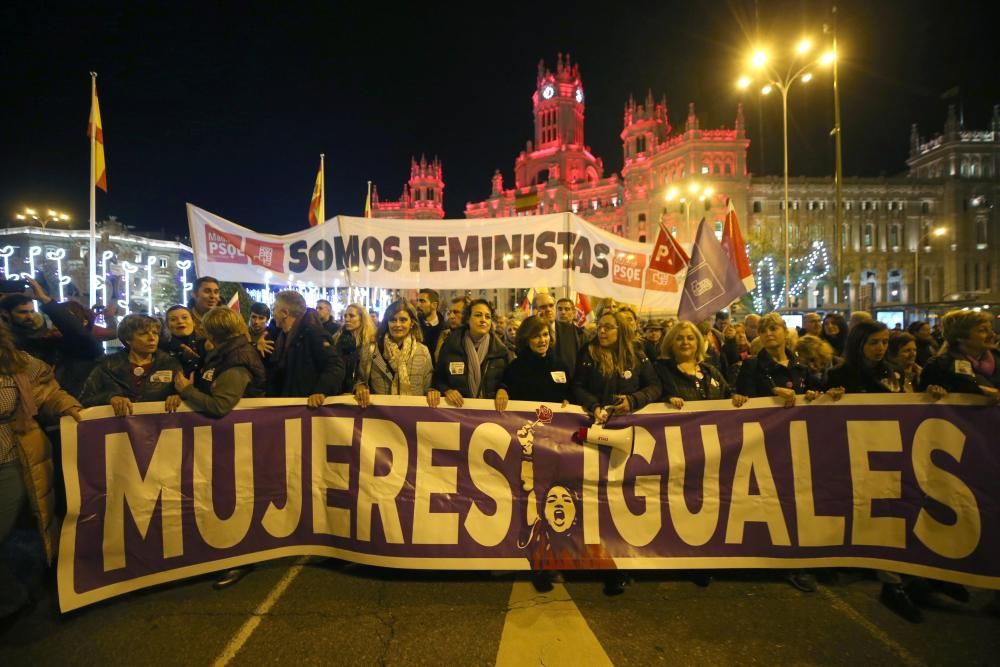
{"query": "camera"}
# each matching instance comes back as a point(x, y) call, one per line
point(13, 285)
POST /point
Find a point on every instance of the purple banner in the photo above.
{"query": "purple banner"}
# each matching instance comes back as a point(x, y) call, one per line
point(896, 483)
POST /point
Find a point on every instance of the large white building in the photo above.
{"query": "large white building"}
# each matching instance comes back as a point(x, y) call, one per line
point(928, 237)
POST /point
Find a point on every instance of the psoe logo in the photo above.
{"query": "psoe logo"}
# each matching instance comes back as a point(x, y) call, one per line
point(627, 268)
point(224, 247)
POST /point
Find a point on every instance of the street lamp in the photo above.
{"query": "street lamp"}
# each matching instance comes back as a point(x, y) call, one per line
point(775, 76)
point(696, 192)
point(923, 239)
point(29, 215)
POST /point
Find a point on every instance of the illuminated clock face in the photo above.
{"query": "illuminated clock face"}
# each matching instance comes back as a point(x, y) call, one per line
point(579, 95)
point(548, 92)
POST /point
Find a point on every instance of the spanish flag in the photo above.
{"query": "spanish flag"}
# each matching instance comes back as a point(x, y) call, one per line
point(368, 201)
point(317, 206)
point(96, 133)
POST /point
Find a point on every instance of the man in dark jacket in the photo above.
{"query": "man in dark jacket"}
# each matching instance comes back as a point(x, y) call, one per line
point(431, 321)
point(325, 311)
point(304, 362)
point(567, 339)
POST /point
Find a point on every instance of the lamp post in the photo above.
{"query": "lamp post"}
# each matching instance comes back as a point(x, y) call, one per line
point(921, 240)
point(30, 215)
point(696, 191)
point(775, 77)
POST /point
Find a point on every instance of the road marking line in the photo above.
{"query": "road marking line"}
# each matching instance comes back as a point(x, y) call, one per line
point(895, 647)
point(243, 634)
point(546, 628)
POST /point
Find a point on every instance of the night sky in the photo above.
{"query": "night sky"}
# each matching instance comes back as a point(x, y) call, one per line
point(229, 108)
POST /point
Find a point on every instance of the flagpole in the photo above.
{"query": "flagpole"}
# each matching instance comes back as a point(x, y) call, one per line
point(322, 188)
point(93, 193)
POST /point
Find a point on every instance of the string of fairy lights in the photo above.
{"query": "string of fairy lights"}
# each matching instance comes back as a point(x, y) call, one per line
point(770, 291)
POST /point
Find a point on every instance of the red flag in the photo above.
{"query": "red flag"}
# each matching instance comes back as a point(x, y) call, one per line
point(582, 309)
point(526, 305)
point(95, 130)
point(317, 214)
point(668, 255)
point(234, 302)
point(736, 249)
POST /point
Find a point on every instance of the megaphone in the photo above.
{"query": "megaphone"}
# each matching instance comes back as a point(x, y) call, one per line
point(621, 439)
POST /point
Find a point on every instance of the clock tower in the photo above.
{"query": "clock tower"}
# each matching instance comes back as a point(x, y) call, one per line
point(558, 153)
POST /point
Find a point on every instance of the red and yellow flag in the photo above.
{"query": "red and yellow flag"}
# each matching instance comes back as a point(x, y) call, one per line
point(368, 201)
point(317, 212)
point(96, 132)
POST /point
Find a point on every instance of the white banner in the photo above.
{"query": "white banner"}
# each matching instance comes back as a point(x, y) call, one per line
point(561, 250)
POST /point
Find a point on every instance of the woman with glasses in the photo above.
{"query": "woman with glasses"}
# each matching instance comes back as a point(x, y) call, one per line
point(401, 364)
point(614, 376)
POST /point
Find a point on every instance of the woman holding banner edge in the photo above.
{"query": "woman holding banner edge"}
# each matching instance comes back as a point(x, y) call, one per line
point(401, 364)
point(472, 361)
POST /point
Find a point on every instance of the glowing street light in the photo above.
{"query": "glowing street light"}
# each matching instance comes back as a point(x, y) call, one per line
point(697, 192)
point(30, 215)
point(923, 240)
point(774, 76)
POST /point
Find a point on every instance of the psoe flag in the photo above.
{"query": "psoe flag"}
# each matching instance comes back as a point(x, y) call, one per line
point(712, 283)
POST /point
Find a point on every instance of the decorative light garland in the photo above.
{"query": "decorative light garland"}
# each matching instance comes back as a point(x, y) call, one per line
point(811, 268)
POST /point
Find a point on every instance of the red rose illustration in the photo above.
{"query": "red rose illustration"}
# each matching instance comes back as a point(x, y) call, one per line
point(544, 413)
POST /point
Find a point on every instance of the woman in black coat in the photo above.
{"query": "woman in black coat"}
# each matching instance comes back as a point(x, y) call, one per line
point(613, 375)
point(472, 361)
point(683, 373)
point(775, 371)
point(536, 374)
point(835, 332)
point(968, 362)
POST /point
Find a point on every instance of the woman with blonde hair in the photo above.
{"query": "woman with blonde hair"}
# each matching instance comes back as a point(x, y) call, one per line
point(614, 376)
point(774, 371)
point(401, 364)
point(355, 342)
point(683, 373)
point(27, 389)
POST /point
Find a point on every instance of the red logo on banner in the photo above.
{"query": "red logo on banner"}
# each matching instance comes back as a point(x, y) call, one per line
point(660, 281)
point(223, 247)
point(266, 254)
point(627, 269)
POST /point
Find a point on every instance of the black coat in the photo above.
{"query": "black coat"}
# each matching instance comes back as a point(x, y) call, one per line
point(678, 384)
point(431, 333)
point(948, 370)
point(451, 368)
point(879, 379)
point(591, 389)
point(570, 340)
point(304, 361)
point(533, 378)
point(760, 375)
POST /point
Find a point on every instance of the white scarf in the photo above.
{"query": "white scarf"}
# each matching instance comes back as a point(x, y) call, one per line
point(398, 359)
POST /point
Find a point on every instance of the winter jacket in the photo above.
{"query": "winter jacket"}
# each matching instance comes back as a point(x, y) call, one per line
point(378, 375)
point(304, 361)
point(531, 377)
point(955, 373)
point(35, 451)
point(707, 385)
point(232, 371)
point(879, 379)
point(113, 377)
point(591, 389)
point(760, 375)
point(451, 372)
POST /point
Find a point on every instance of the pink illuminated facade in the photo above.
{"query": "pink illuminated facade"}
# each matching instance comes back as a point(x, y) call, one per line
point(942, 209)
point(423, 194)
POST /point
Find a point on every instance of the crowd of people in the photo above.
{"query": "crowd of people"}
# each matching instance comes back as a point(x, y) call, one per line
point(207, 357)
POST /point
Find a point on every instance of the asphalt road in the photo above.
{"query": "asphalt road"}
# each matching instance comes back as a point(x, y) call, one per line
point(311, 611)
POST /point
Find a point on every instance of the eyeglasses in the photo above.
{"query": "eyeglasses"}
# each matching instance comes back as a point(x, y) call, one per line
point(607, 327)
